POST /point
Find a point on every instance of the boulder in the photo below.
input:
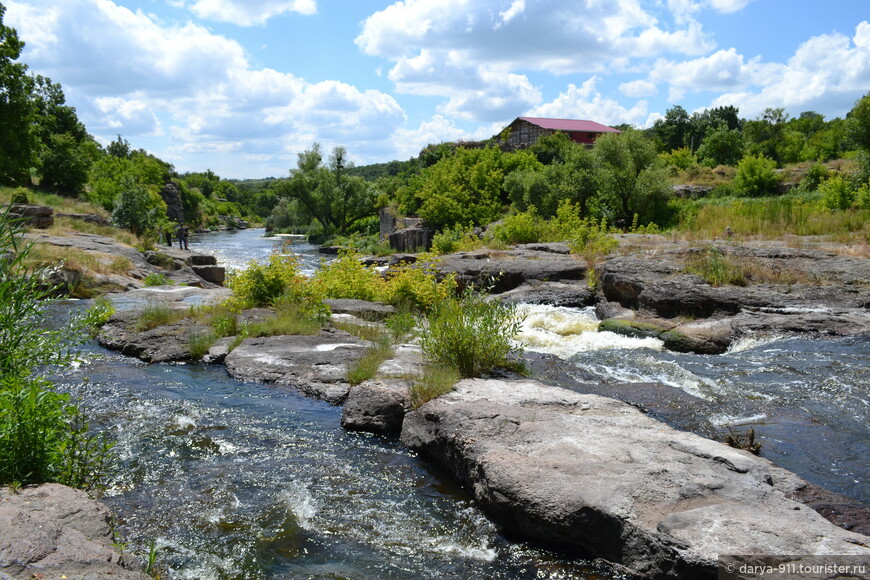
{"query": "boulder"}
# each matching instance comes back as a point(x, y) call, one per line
point(53, 531)
point(569, 295)
point(316, 365)
point(505, 270)
point(376, 406)
point(172, 197)
point(34, 216)
point(166, 343)
point(595, 477)
point(416, 239)
point(360, 308)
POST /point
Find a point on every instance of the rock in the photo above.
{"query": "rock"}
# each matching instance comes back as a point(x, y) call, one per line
point(569, 295)
point(316, 365)
point(90, 218)
point(172, 197)
point(505, 270)
point(35, 216)
point(53, 531)
point(595, 477)
point(691, 191)
point(415, 239)
point(218, 351)
point(360, 308)
point(376, 406)
point(214, 274)
point(166, 343)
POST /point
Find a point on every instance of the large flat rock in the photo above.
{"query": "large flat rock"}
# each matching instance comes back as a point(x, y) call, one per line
point(316, 365)
point(596, 477)
point(53, 531)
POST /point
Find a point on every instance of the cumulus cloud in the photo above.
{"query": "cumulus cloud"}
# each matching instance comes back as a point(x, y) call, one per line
point(639, 88)
point(586, 102)
point(728, 6)
point(249, 12)
point(140, 78)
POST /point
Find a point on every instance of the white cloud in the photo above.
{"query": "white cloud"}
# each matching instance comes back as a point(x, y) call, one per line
point(586, 102)
point(728, 6)
point(827, 72)
point(639, 88)
point(139, 78)
point(249, 12)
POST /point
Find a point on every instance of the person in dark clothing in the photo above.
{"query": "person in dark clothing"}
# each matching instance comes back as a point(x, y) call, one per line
point(182, 237)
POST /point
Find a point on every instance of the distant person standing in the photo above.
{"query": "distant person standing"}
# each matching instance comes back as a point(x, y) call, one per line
point(182, 234)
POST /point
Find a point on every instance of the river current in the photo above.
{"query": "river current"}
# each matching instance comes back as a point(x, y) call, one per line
point(243, 480)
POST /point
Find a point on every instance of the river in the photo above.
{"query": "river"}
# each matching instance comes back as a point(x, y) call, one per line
point(241, 480)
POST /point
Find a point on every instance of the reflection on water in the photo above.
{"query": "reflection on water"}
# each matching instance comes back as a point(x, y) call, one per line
point(236, 249)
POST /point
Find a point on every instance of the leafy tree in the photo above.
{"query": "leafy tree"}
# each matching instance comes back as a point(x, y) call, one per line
point(756, 176)
point(673, 129)
point(66, 162)
point(858, 123)
point(703, 123)
point(138, 209)
point(325, 193)
point(630, 176)
point(723, 146)
point(119, 148)
point(764, 136)
point(17, 142)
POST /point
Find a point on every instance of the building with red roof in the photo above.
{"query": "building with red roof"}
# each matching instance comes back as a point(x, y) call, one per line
point(525, 131)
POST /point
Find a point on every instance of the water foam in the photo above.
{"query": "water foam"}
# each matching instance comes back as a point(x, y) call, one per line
point(565, 332)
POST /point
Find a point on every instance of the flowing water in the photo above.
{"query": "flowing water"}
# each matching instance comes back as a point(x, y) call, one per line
point(238, 480)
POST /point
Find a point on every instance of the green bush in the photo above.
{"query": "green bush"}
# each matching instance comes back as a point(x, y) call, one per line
point(837, 193)
point(198, 344)
point(455, 239)
point(472, 335)
point(156, 279)
point(20, 195)
point(417, 286)
point(43, 437)
point(756, 176)
point(522, 228)
point(716, 268)
point(262, 284)
point(347, 277)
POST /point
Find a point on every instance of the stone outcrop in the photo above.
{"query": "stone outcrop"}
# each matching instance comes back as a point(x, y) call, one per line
point(376, 406)
point(172, 197)
point(316, 365)
point(596, 477)
point(416, 239)
point(34, 216)
point(505, 270)
point(691, 191)
point(52, 531)
point(361, 309)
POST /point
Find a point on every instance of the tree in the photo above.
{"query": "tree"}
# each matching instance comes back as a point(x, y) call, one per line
point(722, 146)
point(325, 193)
point(17, 141)
point(756, 176)
point(67, 162)
point(138, 209)
point(858, 123)
point(673, 129)
point(630, 176)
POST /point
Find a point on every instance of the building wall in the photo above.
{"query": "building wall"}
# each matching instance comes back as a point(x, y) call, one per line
point(523, 134)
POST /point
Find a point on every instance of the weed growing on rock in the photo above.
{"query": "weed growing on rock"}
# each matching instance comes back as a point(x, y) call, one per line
point(745, 441)
point(716, 268)
point(472, 335)
point(157, 279)
point(434, 382)
point(154, 315)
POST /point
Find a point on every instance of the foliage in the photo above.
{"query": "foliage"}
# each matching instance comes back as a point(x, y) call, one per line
point(157, 279)
point(262, 284)
point(326, 193)
point(347, 277)
point(455, 239)
point(756, 176)
point(156, 314)
point(20, 195)
point(17, 141)
point(716, 268)
point(722, 146)
point(472, 335)
point(815, 175)
point(417, 286)
point(138, 209)
point(198, 344)
point(435, 381)
point(680, 158)
point(43, 437)
point(291, 317)
point(858, 123)
point(521, 228)
point(631, 177)
point(837, 193)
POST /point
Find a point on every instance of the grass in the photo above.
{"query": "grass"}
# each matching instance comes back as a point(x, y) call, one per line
point(289, 319)
point(434, 382)
point(382, 349)
point(154, 315)
point(198, 344)
point(717, 268)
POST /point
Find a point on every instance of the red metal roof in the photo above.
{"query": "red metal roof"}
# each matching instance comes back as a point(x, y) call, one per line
point(569, 125)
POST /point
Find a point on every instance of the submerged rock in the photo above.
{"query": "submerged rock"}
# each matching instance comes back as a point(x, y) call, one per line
point(596, 477)
point(53, 531)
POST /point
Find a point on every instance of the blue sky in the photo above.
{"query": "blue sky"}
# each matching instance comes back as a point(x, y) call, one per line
point(241, 86)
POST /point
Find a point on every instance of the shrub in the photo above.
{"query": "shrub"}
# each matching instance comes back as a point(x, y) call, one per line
point(262, 284)
point(756, 176)
point(455, 239)
point(837, 193)
point(816, 174)
point(522, 228)
point(417, 286)
point(716, 268)
point(157, 279)
point(20, 195)
point(471, 334)
point(347, 277)
point(434, 382)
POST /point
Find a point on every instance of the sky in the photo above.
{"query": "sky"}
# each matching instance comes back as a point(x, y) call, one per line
point(242, 86)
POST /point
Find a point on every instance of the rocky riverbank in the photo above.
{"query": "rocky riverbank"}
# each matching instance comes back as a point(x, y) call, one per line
point(582, 473)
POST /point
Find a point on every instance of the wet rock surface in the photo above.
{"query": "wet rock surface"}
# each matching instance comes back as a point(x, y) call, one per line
point(52, 531)
point(595, 476)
